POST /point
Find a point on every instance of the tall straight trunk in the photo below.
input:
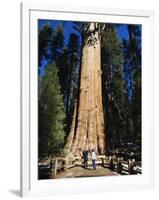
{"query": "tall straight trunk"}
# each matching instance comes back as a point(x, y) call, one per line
point(87, 129)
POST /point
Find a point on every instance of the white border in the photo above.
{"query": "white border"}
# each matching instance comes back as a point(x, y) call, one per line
point(29, 184)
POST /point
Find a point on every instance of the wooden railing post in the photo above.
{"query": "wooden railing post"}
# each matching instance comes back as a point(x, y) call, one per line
point(111, 164)
point(55, 168)
point(119, 164)
point(66, 164)
point(102, 162)
point(131, 163)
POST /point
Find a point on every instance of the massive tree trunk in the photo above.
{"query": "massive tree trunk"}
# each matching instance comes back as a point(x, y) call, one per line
point(87, 128)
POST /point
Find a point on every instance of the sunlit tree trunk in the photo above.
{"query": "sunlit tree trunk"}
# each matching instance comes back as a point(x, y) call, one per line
point(87, 128)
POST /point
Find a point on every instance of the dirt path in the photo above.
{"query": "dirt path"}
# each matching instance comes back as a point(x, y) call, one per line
point(81, 172)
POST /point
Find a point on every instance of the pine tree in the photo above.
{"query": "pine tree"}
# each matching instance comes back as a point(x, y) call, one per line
point(72, 78)
point(44, 40)
point(51, 114)
point(135, 57)
point(115, 101)
point(57, 42)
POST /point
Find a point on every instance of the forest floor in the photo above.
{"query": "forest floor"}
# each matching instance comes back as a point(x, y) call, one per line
point(89, 172)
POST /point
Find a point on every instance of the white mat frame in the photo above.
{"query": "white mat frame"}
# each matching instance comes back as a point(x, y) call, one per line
point(30, 186)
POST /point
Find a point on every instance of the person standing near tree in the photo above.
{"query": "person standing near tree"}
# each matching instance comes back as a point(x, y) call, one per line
point(93, 159)
point(85, 158)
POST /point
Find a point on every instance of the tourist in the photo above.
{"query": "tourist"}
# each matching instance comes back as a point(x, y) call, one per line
point(85, 158)
point(94, 159)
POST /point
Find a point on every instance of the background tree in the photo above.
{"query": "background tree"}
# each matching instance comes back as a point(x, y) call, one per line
point(72, 79)
point(132, 50)
point(57, 42)
point(115, 102)
point(51, 114)
point(45, 36)
point(68, 64)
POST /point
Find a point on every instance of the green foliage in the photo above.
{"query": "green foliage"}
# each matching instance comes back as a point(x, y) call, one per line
point(73, 68)
point(45, 35)
point(51, 114)
point(68, 64)
point(66, 58)
point(57, 42)
point(117, 108)
point(134, 49)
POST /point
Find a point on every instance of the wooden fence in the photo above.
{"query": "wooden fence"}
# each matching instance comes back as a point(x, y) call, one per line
point(122, 167)
point(114, 163)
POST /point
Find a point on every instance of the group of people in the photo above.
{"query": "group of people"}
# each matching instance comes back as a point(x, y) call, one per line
point(85, 158)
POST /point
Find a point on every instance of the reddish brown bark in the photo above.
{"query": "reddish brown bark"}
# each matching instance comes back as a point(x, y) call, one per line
point(87, 129)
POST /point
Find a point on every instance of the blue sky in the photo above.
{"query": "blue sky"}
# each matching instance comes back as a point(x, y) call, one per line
point(121, 30)
point(54, 23)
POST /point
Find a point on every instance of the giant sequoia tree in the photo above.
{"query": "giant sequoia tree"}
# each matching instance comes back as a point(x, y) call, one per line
point(87, 128)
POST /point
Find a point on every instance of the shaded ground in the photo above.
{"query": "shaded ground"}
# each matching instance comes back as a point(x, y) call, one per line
point(81, 172)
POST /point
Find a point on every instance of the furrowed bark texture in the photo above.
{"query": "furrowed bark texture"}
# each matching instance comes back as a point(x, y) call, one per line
point(87, 128)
